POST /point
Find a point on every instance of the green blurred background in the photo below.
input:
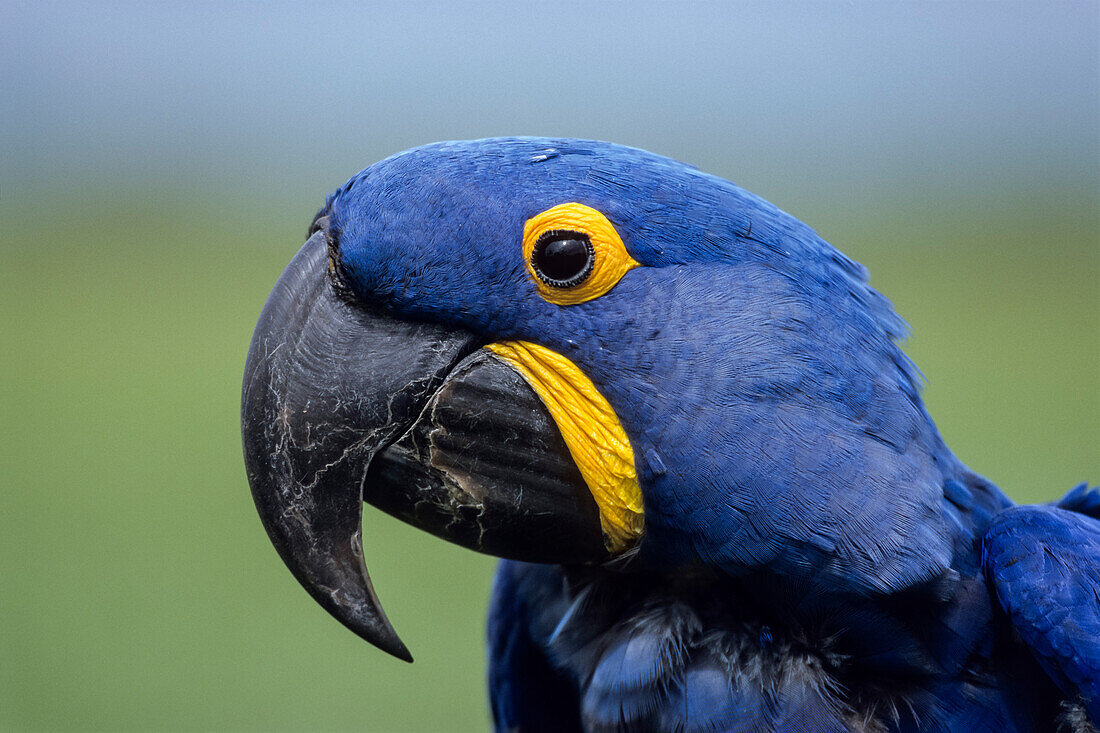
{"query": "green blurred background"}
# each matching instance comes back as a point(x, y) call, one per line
point(159, 168)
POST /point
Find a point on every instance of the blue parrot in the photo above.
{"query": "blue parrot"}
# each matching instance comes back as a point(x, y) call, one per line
point(684, 421)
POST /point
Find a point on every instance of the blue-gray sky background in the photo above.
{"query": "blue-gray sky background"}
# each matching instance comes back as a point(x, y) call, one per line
point(823, 103)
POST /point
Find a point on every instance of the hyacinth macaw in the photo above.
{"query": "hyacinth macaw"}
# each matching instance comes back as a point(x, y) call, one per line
point(685, 422)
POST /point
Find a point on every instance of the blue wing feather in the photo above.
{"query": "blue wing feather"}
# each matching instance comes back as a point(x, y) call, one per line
point(526, 693)
point(1044, 563)
point(1083, 500)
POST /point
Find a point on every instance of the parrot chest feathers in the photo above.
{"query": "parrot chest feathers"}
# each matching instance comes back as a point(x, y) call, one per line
point(669, 654)
point(653, 661)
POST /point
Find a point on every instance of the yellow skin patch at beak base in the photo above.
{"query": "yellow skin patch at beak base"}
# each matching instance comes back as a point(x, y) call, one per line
point(592, 432)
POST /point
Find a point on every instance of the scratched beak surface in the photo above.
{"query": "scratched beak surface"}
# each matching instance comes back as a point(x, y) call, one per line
point(342, 404)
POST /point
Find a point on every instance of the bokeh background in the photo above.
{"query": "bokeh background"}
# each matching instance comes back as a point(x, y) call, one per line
point(160, 164)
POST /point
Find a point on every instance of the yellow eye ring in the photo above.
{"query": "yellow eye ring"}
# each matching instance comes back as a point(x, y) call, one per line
point(573, 222)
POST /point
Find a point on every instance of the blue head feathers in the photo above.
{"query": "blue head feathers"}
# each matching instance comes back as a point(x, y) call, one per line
point(775, 423)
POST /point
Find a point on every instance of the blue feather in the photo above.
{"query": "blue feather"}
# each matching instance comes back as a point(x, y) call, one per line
point(813, 555)
point(1045, 567)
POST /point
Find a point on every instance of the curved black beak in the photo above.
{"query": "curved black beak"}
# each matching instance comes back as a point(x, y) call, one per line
point(342, 404)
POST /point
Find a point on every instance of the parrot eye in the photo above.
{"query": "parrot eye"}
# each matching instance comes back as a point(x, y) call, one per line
point(573, 253)
point(563, 258)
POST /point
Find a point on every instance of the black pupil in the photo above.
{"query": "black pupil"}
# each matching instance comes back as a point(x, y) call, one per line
point(563, 259)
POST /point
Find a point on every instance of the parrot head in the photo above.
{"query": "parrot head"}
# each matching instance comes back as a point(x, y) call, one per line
point(574, 352)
